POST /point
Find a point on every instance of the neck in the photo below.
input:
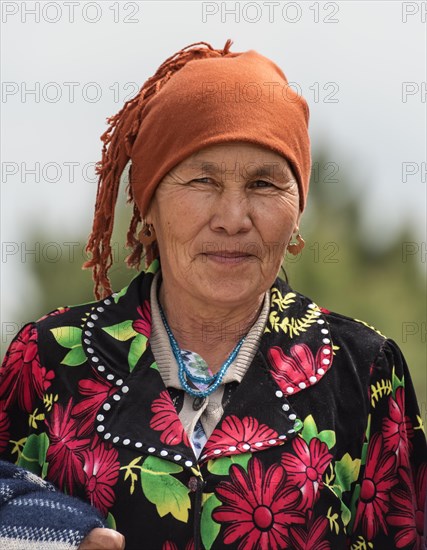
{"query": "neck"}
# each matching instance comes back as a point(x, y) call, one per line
point(210, 330)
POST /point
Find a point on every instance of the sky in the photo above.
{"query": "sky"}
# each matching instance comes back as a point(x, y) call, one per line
point(67, 66)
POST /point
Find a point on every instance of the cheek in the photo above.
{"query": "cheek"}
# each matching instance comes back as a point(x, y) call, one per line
point(178, 220)
point(278, 219)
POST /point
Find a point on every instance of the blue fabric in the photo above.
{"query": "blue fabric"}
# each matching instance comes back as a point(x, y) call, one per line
point(32, 510)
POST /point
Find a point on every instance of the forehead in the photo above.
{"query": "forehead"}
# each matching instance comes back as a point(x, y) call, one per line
point(239, 156)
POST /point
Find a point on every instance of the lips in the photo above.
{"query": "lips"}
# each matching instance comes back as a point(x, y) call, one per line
point(228, 257)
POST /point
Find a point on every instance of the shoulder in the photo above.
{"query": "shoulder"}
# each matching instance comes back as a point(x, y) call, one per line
point(355, 332)
point(346, 332)
point(357, 341)
point(79, 315)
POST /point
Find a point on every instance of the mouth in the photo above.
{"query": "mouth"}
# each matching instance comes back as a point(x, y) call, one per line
point(224, 257)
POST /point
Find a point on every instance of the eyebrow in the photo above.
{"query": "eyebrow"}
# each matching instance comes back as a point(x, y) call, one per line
point(271, 170)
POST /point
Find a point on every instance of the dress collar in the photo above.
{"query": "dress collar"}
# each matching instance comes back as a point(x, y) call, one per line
point(295, 352)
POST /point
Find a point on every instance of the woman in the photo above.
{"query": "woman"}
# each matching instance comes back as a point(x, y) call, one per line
point(207, 404)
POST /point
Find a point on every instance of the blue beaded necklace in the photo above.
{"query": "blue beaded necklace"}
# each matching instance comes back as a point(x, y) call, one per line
point(183, 373)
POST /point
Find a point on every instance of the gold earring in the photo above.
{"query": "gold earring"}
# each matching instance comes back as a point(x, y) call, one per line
point(147, 235)
point(295, 248)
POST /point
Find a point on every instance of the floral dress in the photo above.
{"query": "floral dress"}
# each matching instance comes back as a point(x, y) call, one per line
point(320, 446)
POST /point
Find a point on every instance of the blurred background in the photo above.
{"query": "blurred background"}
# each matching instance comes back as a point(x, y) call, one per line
point(66, 66)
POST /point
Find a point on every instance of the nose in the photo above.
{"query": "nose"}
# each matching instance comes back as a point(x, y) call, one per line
point(231, 213)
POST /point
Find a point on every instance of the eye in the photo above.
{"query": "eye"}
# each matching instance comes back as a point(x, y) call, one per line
point(260, 184)
point(202, 180)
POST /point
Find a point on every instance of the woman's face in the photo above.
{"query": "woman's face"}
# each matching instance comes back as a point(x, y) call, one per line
point(223, 218)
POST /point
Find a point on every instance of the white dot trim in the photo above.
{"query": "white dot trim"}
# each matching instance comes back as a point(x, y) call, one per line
point(163, 453)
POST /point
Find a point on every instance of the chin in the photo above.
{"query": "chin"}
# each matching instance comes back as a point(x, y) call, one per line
point(234, 292)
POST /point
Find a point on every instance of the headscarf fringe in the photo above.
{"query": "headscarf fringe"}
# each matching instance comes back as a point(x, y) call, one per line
point(117, 142)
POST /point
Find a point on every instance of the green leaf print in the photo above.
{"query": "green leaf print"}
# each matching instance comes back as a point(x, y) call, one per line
point(74, 357)
point(397, 382)
point(71, 338)
point(366, 443)
point(118, 295)
point(137, 348)
point(346, 472)
point(122, 331)
point(167, 493)
point(221, 466)
point(353, 505)
point(208, 527)
point(33, 456)
point(153, 267)
point(110, 521)
point(68, 337)
point(310, 430)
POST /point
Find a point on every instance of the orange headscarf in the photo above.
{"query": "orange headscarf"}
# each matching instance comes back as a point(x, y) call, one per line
point(198, 97)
